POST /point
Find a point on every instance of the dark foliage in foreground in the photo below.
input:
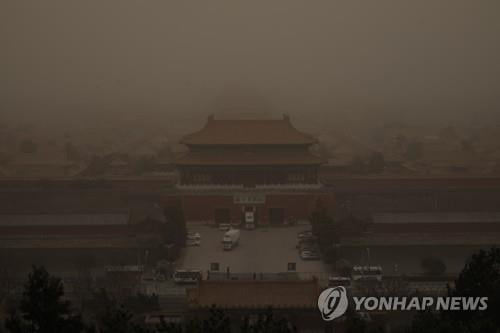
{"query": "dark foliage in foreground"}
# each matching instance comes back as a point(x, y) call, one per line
point(42, 309)
point(480, 277)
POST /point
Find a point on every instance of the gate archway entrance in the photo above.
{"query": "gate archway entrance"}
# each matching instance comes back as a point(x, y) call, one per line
point(276, 216)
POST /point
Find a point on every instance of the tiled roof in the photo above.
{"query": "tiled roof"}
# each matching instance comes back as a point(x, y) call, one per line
point(62, 219)
point(255, 294)
point(437, 217)
point(446, 237)
point(248, 132)
point(249, 158)
point(117, 242)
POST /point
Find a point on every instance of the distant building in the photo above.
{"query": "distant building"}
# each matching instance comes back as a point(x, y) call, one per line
point(77, 231)
point(36, 167)
point(120, 166)
point(250, 171)
point(451, 228)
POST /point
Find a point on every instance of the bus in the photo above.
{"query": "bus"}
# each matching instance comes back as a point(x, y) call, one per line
point(336, 281)
point(367, 273)
point(187, 275)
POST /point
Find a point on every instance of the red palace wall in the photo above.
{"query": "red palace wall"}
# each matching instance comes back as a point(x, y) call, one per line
point(201, 208)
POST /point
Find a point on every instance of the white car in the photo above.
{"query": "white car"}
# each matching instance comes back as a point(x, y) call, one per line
point(193, 239)
point(306, 234)
point(309, 255)
point(193, 235)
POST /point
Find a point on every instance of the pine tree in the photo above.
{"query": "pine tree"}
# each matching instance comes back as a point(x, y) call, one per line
point(42, 309)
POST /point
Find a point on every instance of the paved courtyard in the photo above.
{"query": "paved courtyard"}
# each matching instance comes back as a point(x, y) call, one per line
point(263, 250)
point(268, 250)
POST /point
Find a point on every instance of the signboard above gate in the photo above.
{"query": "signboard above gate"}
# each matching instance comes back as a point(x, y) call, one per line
point(249, 198)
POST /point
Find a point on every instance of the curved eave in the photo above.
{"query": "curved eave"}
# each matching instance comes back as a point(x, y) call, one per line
point(248, 132)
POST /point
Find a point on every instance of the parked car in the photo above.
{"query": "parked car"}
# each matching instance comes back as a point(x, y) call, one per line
point(193, 235)
point(309, 255)
point(193, 239)
point(308, 239)
point(304, 234)
point(224, 226)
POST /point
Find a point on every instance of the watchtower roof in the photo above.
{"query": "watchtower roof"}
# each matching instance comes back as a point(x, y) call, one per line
point(248, 132)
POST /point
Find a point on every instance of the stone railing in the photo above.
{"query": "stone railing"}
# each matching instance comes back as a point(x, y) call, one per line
point(289, 186)
point(212, 187)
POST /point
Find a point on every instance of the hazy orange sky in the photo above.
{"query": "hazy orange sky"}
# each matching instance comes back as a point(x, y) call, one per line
point(187, 58)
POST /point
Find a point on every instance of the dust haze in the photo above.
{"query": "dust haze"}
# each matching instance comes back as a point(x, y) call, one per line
point(158, 64)
point(169, 166)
